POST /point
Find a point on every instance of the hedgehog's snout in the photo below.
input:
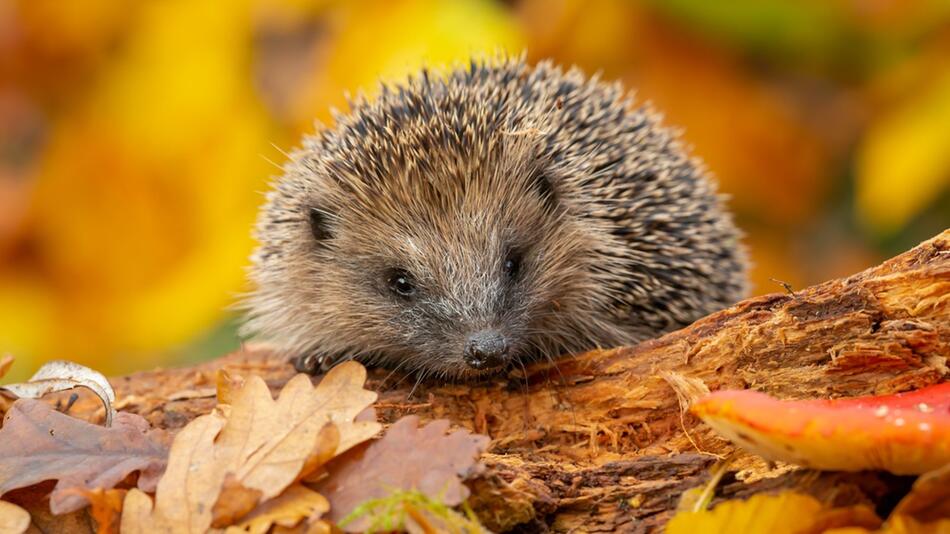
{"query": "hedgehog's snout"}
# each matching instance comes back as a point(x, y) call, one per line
point(486, 349)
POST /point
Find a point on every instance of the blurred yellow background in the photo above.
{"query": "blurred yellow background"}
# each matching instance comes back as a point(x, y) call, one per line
point(136, 137)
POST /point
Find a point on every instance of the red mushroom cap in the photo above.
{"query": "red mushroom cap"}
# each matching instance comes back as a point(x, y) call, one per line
point(904, 433)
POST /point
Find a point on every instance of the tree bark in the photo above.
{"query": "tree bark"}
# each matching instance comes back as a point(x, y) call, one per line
point(599, 442)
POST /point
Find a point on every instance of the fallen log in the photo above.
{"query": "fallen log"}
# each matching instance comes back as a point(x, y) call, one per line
point(599, 442)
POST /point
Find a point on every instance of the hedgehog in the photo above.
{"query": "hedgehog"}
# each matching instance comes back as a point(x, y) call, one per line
point(465, 222)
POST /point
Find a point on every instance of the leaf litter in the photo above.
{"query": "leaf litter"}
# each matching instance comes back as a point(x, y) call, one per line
point(254, 464)
point(252, 450)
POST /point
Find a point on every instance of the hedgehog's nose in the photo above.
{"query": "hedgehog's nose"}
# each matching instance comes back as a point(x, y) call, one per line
point(485, 350)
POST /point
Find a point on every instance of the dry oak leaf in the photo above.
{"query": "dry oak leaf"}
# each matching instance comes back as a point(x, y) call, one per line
point(261, 444)
point(407, 457)
point(13, 519)
point(267, 443)
point(904, 433)
point(60, 375)
point(38, 443)
point(288, 509)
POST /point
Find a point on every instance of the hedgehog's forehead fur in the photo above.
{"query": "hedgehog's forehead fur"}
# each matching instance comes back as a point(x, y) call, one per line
point(447, 177)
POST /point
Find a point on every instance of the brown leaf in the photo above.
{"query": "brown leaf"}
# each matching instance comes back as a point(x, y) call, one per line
point(286, 510)
point(38, 443)
point(61, 375)
point(405, 458)
point(234, 502)
point(13, 519)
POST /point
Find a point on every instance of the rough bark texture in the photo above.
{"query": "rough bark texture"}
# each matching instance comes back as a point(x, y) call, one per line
point(599, 442)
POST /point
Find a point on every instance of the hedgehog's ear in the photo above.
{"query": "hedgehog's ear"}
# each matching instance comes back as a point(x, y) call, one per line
point(545, 188)
point(319, 225)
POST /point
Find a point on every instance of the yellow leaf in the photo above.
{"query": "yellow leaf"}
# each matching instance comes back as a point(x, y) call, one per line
point(13, 519)
point(785, 513)
point(903, 163)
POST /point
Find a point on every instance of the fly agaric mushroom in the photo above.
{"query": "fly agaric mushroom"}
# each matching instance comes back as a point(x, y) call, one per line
point(904, 433)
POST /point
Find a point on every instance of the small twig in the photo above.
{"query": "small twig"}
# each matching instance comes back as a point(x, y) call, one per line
point(786, 285)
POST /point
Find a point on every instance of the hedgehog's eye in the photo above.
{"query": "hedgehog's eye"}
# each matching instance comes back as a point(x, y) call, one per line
point(512, 265)
point(401, 283)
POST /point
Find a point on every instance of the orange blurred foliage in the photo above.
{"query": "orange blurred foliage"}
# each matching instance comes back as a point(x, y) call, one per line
point(138, 135)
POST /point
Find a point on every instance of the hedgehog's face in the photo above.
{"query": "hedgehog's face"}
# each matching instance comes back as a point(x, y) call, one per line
point(469, 289)
point(428, 275)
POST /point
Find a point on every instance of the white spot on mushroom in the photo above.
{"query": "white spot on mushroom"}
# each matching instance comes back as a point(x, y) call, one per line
point(881, 411)
point(924, 407)
point(899, 421)
point(924, 427)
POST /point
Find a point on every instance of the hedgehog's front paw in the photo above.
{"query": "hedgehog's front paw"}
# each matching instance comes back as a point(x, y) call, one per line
point(313, 363)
